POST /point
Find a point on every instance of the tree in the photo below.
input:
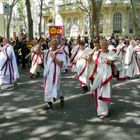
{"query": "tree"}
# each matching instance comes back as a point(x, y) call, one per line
point(9, 17)
point(135, 17)
point(40, 17)
point(20, 10)
point(93, 11)
point(30, 20)
point(95, 14)
point(88, 11)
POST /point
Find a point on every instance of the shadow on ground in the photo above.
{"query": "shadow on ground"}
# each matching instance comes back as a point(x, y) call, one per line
point(77, 120)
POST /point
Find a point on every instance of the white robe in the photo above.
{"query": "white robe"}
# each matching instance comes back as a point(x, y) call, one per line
point(137, 50)
point(65, 51)
point(52, 75)
point(131, 64)
point(82, 66)
point(121, 54)
point(8, 66)
point(101, 86)
point(36, 60)
point(74, 53)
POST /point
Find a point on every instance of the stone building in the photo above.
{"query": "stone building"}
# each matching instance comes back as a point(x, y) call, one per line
point(116, 16)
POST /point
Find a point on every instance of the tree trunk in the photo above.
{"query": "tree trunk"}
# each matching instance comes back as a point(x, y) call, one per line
point(95, 14)
point(40, 19)
point(135, 20)
point(9, 18)
point(90, 26)
point(30, 20)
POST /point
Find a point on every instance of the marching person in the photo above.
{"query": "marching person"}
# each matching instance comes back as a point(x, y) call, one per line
point(131, 63)
point(64, 48)
point(82, 66)
point(104, 59)
point(121, 52)
point(74, 52)
point(8, 65)
point(36, 58)
point(53, 62)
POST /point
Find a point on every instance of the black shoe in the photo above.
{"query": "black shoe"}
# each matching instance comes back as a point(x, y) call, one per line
point(85, 89)
point(66, 70)
point(38, 74)
point(48, 106)
point(62, 101)
point(54, 99)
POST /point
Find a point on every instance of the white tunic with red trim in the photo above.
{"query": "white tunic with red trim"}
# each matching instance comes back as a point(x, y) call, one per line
point(65, 51)
point(121, 52)
point(8, 66)
point(131, 63)
point(137, 50)
point(36, 60)
point(82, 66)
point(51, 75)
point(103, 74)
point(74, 53)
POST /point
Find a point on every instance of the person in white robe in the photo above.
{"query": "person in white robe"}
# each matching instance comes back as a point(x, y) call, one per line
point(74, 52)
point(121, 51)
point(8, 66)
point(91, 69)
point(64, 48)
point(53, 62)
point(36, 58)
point(131, 63)
point(104, 59)
point(137, 50)
point(82, 66)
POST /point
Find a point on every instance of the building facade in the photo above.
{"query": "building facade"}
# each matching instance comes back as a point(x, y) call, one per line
point(116, 16)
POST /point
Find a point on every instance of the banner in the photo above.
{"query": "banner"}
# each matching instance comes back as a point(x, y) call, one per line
point(55, 32)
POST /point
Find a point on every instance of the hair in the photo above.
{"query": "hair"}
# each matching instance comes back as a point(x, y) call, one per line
point(54, 40)
point(122, 38)
point(103, 41)
point(82, 42)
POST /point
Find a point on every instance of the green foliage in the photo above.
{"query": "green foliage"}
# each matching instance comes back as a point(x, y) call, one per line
point(20, 8)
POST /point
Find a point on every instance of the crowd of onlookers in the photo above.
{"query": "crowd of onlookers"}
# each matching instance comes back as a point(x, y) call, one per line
point(22, 45)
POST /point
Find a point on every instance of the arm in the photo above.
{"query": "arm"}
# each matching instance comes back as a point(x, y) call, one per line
point(1, 48)
point(55, 60)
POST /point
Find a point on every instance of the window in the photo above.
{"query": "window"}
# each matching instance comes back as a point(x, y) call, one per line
point(130, 23)
point(75, 21)
point(117, 22)
point(101, 24)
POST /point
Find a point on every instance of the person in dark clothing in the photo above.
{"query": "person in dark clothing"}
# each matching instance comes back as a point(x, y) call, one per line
point(1, 38)
point(23, 51)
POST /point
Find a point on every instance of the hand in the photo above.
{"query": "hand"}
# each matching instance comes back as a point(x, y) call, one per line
point(107, 61)
point(53, 56)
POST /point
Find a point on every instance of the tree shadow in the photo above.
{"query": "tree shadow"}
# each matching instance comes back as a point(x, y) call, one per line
point(77, 120)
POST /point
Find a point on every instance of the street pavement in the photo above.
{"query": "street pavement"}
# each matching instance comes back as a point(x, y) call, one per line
point(22, 117)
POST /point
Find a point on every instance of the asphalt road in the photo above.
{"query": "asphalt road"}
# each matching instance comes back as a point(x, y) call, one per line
point(21, 116)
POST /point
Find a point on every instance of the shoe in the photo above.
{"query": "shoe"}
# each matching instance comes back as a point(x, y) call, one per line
point(102, 116)
point(62, 101)
point(48, 106)
point(85, 89)
point(38, 74)
point(54, 99)
point(66, 70)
